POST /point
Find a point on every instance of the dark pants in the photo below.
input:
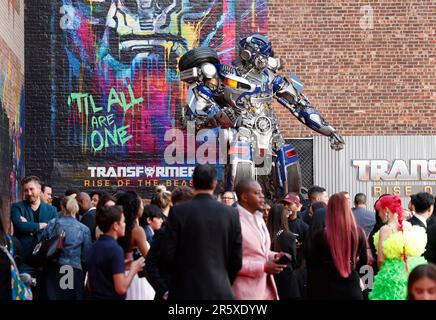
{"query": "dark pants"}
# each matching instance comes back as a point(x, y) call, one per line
point(39, 292)
point(301, 275)
point(63, 286)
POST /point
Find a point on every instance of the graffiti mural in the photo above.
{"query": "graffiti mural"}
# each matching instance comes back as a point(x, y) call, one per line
point(13, 8)
point(11, 126)
point(114, 89)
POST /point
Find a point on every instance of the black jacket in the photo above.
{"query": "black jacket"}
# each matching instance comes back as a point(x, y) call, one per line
point(416, 222)
point(203, 249)
point(286, 281)
point(318, 220)
point(157, 274)
point(324, 281)
point(430, 250)
point(88, 219)
point(300, 230)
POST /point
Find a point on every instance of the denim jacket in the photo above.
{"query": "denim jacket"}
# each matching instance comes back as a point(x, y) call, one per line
point(77, 240)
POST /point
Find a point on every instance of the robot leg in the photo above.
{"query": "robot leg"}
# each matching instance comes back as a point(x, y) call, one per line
point(241, 165)
point(288, 170)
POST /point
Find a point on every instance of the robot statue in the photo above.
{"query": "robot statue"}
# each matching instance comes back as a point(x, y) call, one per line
point(238, 99)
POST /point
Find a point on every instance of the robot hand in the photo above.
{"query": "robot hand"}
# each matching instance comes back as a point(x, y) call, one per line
point(336, 141)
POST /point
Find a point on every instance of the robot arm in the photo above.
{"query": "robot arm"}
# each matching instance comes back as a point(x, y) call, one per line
point(296, 102)
point(202, 105)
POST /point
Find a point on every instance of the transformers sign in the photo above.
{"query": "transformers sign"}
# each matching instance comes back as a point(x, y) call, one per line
point(397, 171)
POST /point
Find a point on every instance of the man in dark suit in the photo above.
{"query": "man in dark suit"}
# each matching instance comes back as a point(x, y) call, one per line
point(29, 218)
point(87, 211)
point(365, 219)
point(422, 204)
point(430, 250)
point(203, 245)
point(157, 274)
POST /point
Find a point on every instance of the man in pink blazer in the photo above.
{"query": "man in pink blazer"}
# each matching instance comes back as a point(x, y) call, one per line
point(255, 280)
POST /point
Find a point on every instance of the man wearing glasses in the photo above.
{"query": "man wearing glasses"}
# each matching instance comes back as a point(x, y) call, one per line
point(228, 198)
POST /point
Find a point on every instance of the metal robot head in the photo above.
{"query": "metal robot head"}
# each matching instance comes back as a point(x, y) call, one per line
point(256, 50)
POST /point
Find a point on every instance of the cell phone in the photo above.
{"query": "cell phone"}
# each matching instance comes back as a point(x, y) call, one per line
point(136, 256)
point(284, 260)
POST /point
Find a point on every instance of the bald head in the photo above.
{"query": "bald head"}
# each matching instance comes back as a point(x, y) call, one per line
point(84, 201)
point(243, 186)
point(250, 195)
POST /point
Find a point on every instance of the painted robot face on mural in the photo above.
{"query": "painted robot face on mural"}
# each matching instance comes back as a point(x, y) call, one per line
point(136, 28)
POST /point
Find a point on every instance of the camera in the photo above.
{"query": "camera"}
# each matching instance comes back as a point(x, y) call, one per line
point(136, 256)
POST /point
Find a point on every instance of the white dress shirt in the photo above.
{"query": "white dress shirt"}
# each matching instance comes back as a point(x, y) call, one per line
point(421, 218)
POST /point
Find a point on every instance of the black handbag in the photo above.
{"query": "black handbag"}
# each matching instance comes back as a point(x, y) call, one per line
point(48, 250)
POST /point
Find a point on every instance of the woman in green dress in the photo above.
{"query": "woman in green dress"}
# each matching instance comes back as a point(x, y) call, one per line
point(399, 248)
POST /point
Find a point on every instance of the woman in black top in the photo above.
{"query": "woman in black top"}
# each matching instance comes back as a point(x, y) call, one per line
point(380, 220)
point(336, 254)
point(282, 240)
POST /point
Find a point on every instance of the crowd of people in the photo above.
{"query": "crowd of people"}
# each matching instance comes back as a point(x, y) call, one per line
point(194, 244)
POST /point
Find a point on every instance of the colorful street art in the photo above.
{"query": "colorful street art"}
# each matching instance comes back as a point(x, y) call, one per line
point(13, 8)
point(11, 126)
point(115, 89)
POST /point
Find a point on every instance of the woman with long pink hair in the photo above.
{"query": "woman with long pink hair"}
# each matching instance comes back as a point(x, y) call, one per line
point(336, 254)
point(399, 248)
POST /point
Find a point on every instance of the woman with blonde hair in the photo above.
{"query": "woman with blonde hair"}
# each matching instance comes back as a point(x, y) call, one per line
point(76, 246)
point(162, 199)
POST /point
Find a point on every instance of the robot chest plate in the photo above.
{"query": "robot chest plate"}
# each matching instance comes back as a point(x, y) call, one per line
point(248, 92)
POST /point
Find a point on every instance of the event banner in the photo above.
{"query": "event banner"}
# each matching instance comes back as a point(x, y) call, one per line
point(103, 91)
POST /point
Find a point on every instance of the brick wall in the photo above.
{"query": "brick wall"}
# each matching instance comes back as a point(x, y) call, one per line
point(12, 27)
point(379, 81)
point(11, 101)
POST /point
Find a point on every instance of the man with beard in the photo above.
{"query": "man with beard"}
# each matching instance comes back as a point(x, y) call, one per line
point(29, 218)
